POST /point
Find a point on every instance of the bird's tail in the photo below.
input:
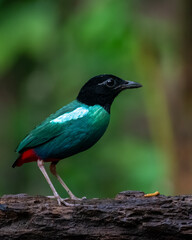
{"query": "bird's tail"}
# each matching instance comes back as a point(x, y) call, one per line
point(17, 161)
point(27, 156)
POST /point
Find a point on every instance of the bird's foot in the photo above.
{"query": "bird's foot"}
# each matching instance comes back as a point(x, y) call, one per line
point(51, 197)
point(71, 198)
point(63, 201)
point(77, 199)
point(67, 204)
point(152, 194)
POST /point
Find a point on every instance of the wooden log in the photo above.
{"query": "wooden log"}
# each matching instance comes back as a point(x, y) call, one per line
point(129, 216)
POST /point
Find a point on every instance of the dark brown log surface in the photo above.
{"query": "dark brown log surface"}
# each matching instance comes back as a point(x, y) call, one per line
point(129, 216)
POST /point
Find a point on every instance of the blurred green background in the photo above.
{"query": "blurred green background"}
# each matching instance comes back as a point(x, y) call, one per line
point(49, 49)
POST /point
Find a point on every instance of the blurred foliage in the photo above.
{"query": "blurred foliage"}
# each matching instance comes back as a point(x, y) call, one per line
point(49, 49)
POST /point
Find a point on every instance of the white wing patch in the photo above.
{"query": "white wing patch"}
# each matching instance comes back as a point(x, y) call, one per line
point(77, 113)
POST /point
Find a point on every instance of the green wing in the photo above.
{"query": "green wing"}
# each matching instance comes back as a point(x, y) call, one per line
point(47, 130)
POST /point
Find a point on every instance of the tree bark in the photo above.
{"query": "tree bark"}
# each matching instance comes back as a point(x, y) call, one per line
point(129, 216)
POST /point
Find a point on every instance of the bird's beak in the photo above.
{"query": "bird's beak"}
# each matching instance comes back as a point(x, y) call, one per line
point(130, 84)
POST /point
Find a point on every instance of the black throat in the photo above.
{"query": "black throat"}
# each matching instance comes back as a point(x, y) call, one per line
point(92, 99)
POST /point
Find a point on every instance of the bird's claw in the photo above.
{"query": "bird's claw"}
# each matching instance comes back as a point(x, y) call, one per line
point(63, 200)
point(78, 199)
point(69, 204)
point(51, 197)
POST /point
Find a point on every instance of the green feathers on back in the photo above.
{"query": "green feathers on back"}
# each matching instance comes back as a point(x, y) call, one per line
point(74, 116)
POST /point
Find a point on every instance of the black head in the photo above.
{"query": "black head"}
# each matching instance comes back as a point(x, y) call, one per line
point(103, 89)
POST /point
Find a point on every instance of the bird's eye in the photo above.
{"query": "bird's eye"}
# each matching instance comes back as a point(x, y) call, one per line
point(110, 83)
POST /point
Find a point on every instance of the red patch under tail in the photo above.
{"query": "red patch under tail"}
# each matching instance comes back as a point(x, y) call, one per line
point(25, 157)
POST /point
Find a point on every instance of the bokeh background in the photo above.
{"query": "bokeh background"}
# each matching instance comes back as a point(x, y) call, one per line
point(49, 49)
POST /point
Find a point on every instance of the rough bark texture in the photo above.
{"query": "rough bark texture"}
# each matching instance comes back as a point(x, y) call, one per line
point(129, 216)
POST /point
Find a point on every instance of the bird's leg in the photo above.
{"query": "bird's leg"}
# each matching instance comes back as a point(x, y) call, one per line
point(40, 164)
point(54, 172)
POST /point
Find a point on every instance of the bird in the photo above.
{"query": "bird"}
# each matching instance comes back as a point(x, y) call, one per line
point(72, 129)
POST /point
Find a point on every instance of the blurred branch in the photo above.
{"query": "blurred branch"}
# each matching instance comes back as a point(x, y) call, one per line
point(129, 216)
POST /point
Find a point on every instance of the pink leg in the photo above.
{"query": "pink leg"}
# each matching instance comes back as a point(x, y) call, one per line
point(54, 172)
point(40, 164)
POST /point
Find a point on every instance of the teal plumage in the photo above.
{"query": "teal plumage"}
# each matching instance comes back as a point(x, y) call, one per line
point(73, 128)
point(57, 137)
